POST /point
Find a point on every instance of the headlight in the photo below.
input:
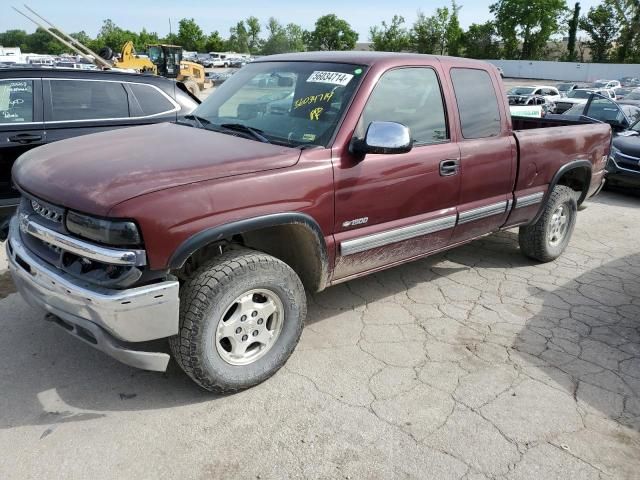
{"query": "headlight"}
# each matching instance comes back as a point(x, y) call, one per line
point(614, 152)
point(109, 232)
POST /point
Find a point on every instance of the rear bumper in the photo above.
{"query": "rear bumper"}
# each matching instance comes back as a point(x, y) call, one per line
point(110, 320)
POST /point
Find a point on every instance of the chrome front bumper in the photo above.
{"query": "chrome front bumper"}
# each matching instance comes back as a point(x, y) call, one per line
point(109, 320)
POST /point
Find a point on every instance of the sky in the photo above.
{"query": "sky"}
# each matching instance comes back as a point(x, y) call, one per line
point(73, 16)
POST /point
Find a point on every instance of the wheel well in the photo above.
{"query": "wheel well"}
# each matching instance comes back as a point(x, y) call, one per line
point(294, 243)
point(577, 179)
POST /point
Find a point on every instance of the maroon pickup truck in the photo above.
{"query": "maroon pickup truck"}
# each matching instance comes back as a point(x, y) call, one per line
point(300, 172)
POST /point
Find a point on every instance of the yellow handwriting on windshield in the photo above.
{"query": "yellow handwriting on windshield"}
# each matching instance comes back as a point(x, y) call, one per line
point(311, 99)
point(315, 113)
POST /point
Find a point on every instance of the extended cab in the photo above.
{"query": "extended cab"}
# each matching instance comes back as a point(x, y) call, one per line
point(208, 231)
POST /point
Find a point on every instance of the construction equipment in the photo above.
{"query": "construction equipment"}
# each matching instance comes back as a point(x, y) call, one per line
point(164, 60)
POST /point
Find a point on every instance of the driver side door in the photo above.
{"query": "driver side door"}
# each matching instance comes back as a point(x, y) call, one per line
point(390, 208)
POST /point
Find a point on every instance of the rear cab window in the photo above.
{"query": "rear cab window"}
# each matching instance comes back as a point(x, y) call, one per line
point(16, 101)
point(477, 103)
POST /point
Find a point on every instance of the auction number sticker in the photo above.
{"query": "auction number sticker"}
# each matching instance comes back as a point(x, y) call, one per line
point(334, 78)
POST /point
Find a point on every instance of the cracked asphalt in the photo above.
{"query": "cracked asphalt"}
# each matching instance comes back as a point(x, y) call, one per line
point(473, 364)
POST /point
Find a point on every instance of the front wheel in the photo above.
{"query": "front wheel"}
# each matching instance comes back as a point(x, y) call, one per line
point(241, 317)
point(546, 239)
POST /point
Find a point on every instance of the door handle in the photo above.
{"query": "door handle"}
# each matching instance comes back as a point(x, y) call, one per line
point(25, 138)
point(449, 167)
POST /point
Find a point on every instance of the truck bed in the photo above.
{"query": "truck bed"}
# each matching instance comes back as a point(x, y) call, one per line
point(545, 145)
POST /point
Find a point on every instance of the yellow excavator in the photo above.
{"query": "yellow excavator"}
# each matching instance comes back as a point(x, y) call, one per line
point(165, 60)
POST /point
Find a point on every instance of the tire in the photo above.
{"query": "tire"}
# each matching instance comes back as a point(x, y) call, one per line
point(212, 295)
point(545, 240)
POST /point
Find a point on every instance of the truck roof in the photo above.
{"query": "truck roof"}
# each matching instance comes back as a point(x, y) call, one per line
point(367, 58)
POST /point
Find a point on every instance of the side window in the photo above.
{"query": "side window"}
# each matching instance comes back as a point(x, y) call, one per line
point(539, 92)
point(410, 96)
point(477, 103)
point(16, 101)
point(87, 100)
point(150, 100)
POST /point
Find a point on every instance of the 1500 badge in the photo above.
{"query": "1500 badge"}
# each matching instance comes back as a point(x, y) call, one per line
point(355, 221)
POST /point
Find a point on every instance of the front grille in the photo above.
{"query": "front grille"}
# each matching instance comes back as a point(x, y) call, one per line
point(627, 162)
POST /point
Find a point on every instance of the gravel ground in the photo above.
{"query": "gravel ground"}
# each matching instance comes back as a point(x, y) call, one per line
point(473, 364)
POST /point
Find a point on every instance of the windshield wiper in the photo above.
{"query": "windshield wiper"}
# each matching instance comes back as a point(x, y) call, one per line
point(200, 121)
point(241, 127)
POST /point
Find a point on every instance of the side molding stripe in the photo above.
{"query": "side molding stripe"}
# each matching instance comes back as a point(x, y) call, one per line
point(362, 244)
point(529, 200)
point(482, 212)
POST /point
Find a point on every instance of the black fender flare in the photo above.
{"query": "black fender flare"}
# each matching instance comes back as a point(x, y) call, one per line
point(228, 230)
point(567, 167)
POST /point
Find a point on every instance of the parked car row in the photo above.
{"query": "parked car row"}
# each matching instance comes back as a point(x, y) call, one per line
point(40, 106)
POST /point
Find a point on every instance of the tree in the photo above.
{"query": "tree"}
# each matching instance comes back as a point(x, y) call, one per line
point(190, 35)
point(295, 37)
point(277, 41)
point(390, 38)
point(602, 26)
point(573, 30)
point(453, 31)
point(214, 42)
point(42, 42)
point(253, 32)
point(238, 38)
point(440, 33)
point(145, 39)
point(531, 22)
point(427, 33)
point(14, 38)
point(628, 16)
point(479, 41)
point(332, 33)
point(114, 37)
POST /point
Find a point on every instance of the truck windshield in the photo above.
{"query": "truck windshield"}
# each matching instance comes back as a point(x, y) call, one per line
point(288, 103)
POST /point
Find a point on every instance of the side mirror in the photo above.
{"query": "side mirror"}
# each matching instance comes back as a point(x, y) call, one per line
point(384, 138)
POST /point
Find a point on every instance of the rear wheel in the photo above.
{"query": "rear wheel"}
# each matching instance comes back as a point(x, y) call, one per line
point(241, 317)
point(546, 239)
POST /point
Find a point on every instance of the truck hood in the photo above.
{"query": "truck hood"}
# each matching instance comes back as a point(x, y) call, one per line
point(93, 173)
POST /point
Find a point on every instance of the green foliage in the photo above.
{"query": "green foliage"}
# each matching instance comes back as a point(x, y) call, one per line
point(332, 33)
point(573, 30)
point(283, 39)
point(390, 38)
point(628, 16)
point(238, 38)
point(602, 26)
point(253, 32)
point(41, 42)
point(526, 26)
point(453, 32)
point(214, 42)
point(438, 34)
point(112, 36)
point(15, 38)
point(479, 41)
point(190, 35)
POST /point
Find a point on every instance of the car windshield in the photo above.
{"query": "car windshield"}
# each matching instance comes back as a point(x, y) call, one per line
point(288, 103)
point(521, 91)
point(632, 112)
point(575, 111)
point(600, 84)
point(635, 126)
point(579, 93)
point(564, 87)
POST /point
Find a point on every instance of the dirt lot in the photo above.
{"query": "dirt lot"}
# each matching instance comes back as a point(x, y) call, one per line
point(473, 364)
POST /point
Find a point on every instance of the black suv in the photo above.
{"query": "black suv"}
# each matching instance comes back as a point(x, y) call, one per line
point(39, 106)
